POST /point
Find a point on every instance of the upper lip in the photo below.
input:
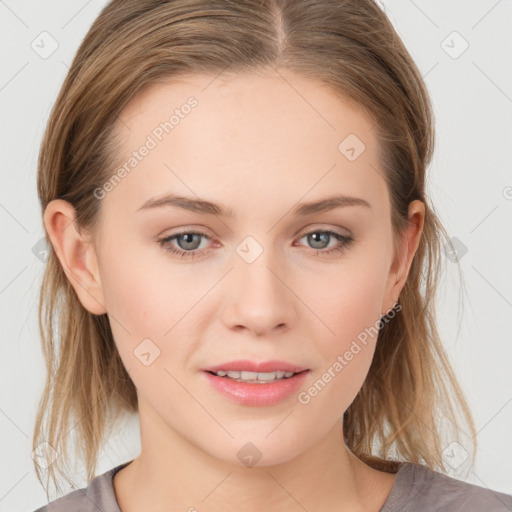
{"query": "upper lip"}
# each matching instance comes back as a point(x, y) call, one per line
point(254, 366)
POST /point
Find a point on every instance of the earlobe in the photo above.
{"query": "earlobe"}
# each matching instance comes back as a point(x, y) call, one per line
point(76, 255)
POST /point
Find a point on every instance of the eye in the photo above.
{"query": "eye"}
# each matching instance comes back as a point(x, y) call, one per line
point(189, 242)
point(320, 240)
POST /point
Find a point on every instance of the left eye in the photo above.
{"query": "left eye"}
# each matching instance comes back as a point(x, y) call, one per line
point(189, 242)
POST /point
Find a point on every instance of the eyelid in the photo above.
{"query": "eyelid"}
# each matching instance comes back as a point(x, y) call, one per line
point(343, 241)
point(193, 228)
point(304, 231)
point(323, 227)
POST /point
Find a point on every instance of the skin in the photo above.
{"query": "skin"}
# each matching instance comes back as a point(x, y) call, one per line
point(258, 146)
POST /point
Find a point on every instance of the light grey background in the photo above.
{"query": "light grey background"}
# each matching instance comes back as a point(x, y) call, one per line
point(470, 182)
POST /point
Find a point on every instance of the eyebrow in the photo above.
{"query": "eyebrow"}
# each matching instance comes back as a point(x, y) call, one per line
point(207, 207)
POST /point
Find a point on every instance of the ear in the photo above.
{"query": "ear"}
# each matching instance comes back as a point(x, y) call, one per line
point(408, 245)
point(76, 254)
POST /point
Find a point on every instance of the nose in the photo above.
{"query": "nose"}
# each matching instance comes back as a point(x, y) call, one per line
point(259, 296)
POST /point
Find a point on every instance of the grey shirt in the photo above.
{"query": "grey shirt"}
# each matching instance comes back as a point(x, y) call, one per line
point(416, 489)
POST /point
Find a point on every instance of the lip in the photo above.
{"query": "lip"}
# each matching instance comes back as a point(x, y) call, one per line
point(254, 366)
point(267, 394)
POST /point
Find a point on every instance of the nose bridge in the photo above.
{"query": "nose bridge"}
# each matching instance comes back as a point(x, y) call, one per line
point(260, 297)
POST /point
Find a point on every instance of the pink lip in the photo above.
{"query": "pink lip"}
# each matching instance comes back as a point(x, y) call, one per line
point(253, 366)
point(267, 394)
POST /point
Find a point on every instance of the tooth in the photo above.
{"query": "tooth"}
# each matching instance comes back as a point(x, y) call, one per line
point(249, 375)
point(266, 376)
point(254, 377)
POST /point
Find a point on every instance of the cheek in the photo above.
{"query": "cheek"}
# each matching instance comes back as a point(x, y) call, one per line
point(153, 307)
point(350, 306)
point(132, 295)
point(139, 305)
point(349, 300)
point(143, 290)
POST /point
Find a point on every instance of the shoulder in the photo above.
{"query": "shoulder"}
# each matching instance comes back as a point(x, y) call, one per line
point(420, 488)
point(98, 495)
point(72, 502)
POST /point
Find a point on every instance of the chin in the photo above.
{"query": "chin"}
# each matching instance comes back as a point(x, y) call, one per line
point(258, 450)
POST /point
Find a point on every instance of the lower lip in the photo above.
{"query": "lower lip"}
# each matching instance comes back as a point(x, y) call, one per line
point(257, 394)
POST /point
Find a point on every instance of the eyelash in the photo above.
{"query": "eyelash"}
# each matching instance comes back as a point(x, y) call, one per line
point(343, 242)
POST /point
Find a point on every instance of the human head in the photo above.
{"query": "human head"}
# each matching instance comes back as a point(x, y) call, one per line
point(333, 44)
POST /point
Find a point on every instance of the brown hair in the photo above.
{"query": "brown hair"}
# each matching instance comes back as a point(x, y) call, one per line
point(348, 45)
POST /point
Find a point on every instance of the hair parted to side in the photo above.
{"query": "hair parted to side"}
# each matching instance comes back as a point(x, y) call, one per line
point(352, 47)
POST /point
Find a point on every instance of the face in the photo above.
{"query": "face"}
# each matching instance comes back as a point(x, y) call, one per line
point(261, 276)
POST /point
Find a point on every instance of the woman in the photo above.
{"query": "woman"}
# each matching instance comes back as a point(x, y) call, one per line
point(244, 253)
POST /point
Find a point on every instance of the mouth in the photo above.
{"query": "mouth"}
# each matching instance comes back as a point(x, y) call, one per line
point(256, 372)
point(257, 384)
point(255, 377)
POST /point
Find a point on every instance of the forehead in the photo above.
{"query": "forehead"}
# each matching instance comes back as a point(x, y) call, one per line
point(271, 97)
point(250, 132)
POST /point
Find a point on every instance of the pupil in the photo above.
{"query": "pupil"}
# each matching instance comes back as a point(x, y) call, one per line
point(316, 238)
point(188, 239)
